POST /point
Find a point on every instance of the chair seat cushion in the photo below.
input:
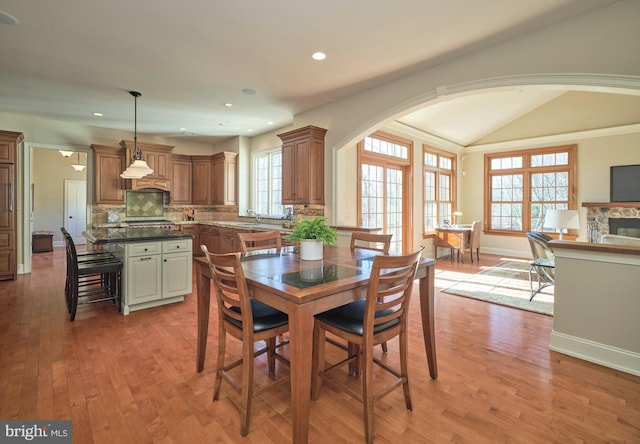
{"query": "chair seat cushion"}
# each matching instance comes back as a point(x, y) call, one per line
point(265, 317)
point(350, 318)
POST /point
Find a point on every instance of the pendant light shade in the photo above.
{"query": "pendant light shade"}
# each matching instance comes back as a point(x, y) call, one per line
point(138, 168)
point(78, 166)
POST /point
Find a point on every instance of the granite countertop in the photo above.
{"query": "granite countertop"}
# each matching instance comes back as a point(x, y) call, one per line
point(233, 224)
point(132, 234)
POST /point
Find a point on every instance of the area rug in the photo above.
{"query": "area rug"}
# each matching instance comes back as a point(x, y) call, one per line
point(506, 284)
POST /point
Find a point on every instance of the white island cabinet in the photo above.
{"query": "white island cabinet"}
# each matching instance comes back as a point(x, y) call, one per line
point(156, 273)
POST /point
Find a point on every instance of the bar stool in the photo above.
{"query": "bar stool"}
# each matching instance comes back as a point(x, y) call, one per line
point(91, 278)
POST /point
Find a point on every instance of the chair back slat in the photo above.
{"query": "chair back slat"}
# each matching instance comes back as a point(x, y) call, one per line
point(364, 240)
point(260, 241)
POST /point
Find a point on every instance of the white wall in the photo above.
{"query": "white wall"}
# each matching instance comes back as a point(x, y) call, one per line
point(596, 316)
point(50, 170)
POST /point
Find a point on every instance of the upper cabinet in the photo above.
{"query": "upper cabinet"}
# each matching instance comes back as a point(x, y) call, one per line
point(158, 157)
point(224, 176)
point(180, 179)
point(109, 164)
point(9, 141)
point(214, 179)
point(303, 166)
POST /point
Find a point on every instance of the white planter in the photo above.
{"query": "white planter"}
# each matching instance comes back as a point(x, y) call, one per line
point(311, 250)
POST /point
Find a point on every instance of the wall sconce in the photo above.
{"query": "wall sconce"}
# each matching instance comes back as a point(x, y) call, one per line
point(561, 220)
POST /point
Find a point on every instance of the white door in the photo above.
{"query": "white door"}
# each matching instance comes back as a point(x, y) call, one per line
point(75, 209)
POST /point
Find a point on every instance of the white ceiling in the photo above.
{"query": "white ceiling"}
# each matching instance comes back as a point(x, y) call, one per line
point(66, 59)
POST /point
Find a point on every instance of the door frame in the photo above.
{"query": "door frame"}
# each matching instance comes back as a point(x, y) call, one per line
point(406, 166)
point(25, 201)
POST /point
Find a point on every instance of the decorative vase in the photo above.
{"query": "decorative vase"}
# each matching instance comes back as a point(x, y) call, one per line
point(311, 249)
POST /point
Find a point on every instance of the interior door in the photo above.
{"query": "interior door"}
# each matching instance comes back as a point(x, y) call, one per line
point(75, 209)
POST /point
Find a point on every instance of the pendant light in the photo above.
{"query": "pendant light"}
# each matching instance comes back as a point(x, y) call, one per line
point(138, 168)
point(78, 166)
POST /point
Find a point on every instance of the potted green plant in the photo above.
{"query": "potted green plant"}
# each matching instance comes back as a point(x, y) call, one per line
point(312, 235)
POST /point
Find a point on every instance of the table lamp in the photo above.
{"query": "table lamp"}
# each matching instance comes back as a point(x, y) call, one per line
point(561, 220)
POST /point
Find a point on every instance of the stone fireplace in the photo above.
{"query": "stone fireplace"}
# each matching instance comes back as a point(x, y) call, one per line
point(621, 218)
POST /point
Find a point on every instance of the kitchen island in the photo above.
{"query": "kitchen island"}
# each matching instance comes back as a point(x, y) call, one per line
point(157, 263)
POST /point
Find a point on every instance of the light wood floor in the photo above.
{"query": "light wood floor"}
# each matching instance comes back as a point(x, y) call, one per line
point(132, 379)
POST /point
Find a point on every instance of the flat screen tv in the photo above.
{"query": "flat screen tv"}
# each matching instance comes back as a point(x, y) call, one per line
point(625, 183)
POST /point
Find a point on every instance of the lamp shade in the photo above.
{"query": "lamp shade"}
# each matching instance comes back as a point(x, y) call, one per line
point(561, 219)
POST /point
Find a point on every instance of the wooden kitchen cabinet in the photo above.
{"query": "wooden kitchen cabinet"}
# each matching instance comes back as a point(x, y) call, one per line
point(180, 179)
point(224, 173)
point(229, 240)
point(158, 157)
point(303, 166)
point(200, 180)
point(194, 230)
point(9, 142)
point(214, 179)
point(209, 236)
point(109, 164)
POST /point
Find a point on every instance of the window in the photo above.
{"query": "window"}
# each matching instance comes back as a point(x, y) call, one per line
point(439, 169)
point(384, 187)
point(522, 185)
point(268, 183)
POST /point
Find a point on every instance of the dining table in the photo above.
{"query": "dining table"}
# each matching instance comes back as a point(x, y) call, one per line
point(302, 289)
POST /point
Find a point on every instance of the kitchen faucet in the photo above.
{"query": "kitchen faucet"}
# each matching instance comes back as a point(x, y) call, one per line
point(257, 215)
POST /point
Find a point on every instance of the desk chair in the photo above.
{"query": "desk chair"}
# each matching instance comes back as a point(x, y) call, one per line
point(367, 322)
point(474, 239)
point(543, 261)
point(248, 320)
point(260, 241)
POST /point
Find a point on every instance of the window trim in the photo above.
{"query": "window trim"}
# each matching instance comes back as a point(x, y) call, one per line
point(454, 182)
point(527, 170)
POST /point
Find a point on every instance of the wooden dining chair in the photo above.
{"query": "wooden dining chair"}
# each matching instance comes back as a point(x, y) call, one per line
point(248, 320)
point(260, 241)
point(375, 242)
point(367, 322)
point(364, 240)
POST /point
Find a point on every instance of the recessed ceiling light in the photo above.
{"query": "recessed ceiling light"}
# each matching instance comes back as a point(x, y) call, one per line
point(182, 129)
point(318, 56)
point(269, 123)
point(8, 19)
point(228, 105)
point(249, 130)
point(98, 114)
point(249, 91)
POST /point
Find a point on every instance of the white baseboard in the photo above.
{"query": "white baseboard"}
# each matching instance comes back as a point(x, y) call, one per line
point(606, 355)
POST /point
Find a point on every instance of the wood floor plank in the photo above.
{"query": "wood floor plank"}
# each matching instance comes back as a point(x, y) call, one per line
point(126, 379)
